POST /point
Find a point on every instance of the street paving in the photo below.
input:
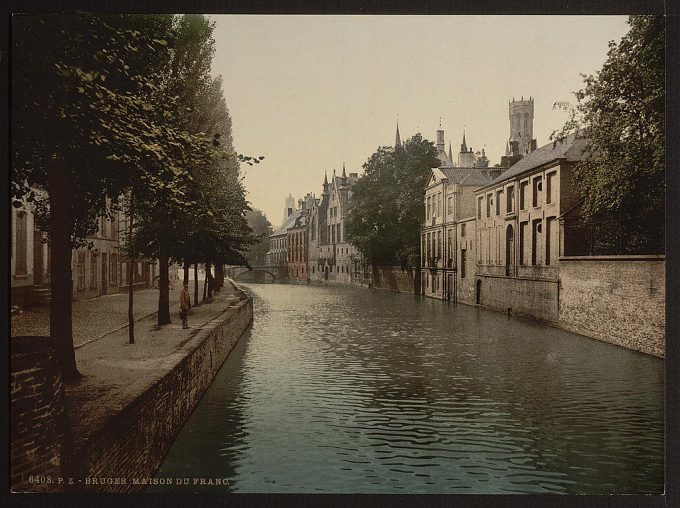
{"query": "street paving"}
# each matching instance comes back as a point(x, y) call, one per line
point(115, 373)
point(95, 318)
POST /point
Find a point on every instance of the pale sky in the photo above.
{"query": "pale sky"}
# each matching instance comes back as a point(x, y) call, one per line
point(309, 92)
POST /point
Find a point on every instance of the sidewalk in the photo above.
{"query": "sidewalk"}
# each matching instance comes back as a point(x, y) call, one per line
point(116, 373)
point(95, 318)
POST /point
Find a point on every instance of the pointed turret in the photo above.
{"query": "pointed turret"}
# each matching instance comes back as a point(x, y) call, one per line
point(397, 139)
point(325, 183)
point(344, 175)
point(450, 153)
point(463, 147)
point(507, 148)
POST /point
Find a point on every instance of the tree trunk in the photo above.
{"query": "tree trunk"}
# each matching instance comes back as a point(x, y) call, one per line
point(164, 287)
point(219, 276)
point(211, 282)
point(205, 284)
point(61, 226)
point(185, 282)
point(130, 272)
point(196, 302)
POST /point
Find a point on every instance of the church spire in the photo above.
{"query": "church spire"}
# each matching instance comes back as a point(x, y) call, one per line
point(463, 147)
point(450, 153)
point(344, 175)
point(397, 139)
point(507, 148)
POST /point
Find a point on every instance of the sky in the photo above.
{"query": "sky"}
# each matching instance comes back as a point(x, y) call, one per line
point(311, 92)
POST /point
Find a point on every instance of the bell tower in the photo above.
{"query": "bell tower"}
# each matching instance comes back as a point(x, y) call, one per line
point(521, 114)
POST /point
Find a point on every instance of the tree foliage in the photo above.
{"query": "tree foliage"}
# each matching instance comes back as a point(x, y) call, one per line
point(262, 228)
point(621, 111)
point(113, 105)
point(387, 207)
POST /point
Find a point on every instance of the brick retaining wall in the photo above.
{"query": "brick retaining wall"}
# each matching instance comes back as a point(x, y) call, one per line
point(134, 443)
point(616, 299)
point(38, 428)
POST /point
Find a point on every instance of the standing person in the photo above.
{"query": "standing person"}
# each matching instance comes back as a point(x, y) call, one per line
point(184, 306)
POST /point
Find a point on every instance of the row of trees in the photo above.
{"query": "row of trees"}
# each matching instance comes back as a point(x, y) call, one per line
point(121, 112)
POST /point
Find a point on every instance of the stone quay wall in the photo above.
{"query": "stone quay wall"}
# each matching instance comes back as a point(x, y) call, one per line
point(519, 296)
point(617, 299)
point(395, 278)
point(135, 442)
point(39, 428)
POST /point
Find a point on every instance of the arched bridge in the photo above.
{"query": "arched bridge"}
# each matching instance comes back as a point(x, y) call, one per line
point(256, 273)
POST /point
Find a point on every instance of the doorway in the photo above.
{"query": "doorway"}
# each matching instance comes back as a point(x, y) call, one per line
point(478, 292)
point(509, 251)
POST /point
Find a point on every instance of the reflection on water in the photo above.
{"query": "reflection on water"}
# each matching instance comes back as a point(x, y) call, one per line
point(338, 389)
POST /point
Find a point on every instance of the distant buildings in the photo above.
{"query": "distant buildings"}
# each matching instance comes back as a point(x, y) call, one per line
point(312, 239)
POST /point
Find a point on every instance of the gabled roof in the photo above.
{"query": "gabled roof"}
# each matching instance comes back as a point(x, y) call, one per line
point(467, 176)
point(290, 220)
point(572, 149)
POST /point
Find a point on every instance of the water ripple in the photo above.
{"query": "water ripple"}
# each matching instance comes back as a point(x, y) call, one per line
point(348, 390)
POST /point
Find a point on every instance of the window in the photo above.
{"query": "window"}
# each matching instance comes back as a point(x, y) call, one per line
point(113, 269)
point(81, 270)
point(449, 251)
point(427, 246)
point(462, 230)
point(429, 203)
point(479, 207)
point(535, 201)
point(499, 194)
point(439, 244)
point(463, 254)
point(551, 239)
point(549, 186)
point(489, 202)
point(93, 271)
point(523, 227)
point(535, 241)
point(510, 199)
point(450, 211)
point(523, 195)
point(21, 253)
point(114, 226)
point(439, 204)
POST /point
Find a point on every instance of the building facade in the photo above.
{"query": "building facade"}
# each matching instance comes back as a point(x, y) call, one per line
point(335, 259)
point(297, 245)
point(445, 249)
point(22, 255)
point(517, 230)
point(278, 241)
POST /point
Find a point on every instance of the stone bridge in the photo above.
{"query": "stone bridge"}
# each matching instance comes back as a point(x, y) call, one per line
point(256, 273)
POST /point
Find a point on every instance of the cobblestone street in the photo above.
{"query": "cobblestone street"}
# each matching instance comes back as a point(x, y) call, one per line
point(96, 317)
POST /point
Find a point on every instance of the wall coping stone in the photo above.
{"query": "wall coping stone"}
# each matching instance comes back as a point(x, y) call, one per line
point(621, 257)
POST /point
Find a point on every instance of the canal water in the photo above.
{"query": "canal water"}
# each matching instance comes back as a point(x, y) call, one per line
point(345, 390)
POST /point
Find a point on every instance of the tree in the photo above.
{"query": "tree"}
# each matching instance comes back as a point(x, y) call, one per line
point(82, 131)
point(262, 228)
point(621, 112)
point(208, 225)
point(386, 209)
